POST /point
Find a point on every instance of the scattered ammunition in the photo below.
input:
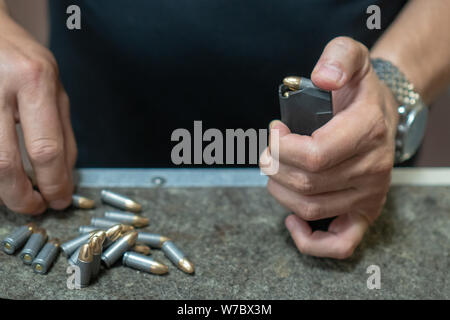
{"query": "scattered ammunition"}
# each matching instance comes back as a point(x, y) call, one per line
point(33, 245)
point(103, 223)
point(120, 201)
point(124, 228)
point(18, 238)
point(127, 218)
point(142, 249)
point(87, 229)
point(152, 239)
point(112, 234)
point(143, 263)
point(70, 246)
point(177, 257)
point(44, 260)
point(96, 245)
point(117, 249)
point(84, 262)
point(297, 83)
point(74, 256)
point(82, 202)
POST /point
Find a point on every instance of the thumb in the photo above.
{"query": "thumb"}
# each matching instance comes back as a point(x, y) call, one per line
point(280, 126)
point(342, 60)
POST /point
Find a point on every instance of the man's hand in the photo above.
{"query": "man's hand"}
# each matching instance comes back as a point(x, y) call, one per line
point(344, 168)
point(31, 93)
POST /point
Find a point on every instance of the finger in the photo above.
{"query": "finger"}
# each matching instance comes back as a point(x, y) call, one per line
point(315, 207)
point(303, 182)
point(69, 137)
point(350, 132)
point(282, 130)
point(342, 59)
point(339, 242)
point(44, 140)
point(16, 190)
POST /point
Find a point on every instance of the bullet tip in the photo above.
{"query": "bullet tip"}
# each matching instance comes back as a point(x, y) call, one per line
point(186, 265)
point(292, 82)
point(159, 268)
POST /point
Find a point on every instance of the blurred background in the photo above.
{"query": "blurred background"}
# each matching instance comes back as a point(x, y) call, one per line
point(435, 150)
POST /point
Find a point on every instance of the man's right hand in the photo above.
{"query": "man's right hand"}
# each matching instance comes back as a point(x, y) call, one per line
point(31, 93)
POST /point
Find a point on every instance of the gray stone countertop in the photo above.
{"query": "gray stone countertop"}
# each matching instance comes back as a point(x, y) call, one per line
point(241, 249)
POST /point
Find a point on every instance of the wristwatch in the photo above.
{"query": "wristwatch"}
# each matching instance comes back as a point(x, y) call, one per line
point(413, 112)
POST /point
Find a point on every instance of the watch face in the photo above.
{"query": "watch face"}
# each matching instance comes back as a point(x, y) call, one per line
point(416, 123)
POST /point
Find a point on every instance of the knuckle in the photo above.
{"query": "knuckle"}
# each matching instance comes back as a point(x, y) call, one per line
point(302, 183)
point(36, 70)
point(45, 150)
point(53, 190)
point(303, 247)
point(311, 211)
point(379, 129)
point(24, 209)
point(7, 162)
point(316, 162)
point(346, 250)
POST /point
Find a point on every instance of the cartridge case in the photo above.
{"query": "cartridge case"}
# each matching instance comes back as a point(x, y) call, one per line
point(127, 218)
point(120, 201)
point(96, 245)
point(103, 223)
point(140, 262)
point(177, 257)
point(69, 247)
point(84, 262)
point(33, 245)
point(18, 238)
point(44, 260)
point(118, 248)
point(87, 229)
point(152, 239)
point(82, 202)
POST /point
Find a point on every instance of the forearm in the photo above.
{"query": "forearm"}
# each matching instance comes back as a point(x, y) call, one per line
point(418, 43)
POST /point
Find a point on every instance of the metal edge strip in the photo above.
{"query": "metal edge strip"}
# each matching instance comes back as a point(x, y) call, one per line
point(231, 177)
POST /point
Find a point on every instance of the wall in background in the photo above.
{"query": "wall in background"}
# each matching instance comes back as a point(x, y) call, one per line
point(435, 151)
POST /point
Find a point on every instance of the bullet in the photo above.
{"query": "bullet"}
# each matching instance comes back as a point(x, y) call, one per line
point(118, 248)
point(96, 245)
point(44, 260)
point(152, 239)
point(69, 247)
point(18, 238)
point(297, 83)
point(177, 257)
point(124, 228)
point(84, 262)
point(127, 218)
point(143, 263)
point(142, 249)
point(74, 256)
point(120, 201)
point(103, 223)
point(112, 234)
point(82, 202)
point(33, 245)
point(87, 229)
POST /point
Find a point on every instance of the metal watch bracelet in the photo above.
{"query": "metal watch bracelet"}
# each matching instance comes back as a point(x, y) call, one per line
point(410, 105)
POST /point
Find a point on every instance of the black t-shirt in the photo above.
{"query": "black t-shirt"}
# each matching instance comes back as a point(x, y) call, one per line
point(137, 70)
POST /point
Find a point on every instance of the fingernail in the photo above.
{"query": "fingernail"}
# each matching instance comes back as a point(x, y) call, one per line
point(330, 72)
point(59, 204)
